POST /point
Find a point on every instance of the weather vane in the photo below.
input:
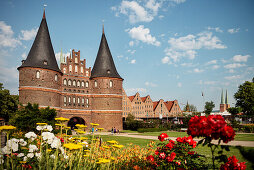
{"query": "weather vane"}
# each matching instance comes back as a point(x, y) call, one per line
point(45, 5)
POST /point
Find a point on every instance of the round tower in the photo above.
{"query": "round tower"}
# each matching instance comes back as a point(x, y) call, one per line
point(106, 89)
point(39, 75)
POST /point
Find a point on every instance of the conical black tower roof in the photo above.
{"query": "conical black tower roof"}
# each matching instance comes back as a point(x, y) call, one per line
point(104, 65)
point(42, 54)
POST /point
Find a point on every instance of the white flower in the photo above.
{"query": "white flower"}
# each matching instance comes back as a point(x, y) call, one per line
point(38, 155)
point(49, 128)
point(48, 136)
point(65, 156)
point(32, 148)
point(31, 135)
point(6, 150)
point(13, 144)
point(25, 158)
point(52, 156)
point(39, 128)
point(30, 155)
point(56, 143)
point(61, 149)
point(20, 155)
point(1, 161)
point(85, 143)
point(22, 142)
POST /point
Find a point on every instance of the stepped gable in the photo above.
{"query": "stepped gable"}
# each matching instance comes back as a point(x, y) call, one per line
point(42, 54)
point(104, 65)
point(155, 104)
point(169, 105)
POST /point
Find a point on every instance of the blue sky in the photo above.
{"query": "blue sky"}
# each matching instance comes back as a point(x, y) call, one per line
point(169, 49)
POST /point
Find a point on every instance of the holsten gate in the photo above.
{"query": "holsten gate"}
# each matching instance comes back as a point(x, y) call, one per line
point(75, 91)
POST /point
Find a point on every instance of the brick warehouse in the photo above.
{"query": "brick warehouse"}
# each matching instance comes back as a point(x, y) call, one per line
point(75, 91)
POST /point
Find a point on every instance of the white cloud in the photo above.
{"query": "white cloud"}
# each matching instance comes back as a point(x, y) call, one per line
point(187, 46)
point(231, 71)
point(233, 77)
point(179, 84)
point(234, 65)
point(150, 84)
point(161, 16)
point(131, 51)
point(135, 90)
point(131, 43)
point(24, 55)
point(197, 70)
point(216, 29)
point(165, 60)
point(28, 34)
point(135, 12)
point(143, 34)
point(59, 54)
point(215, 67)
point(6, 36)
point(178, 1)
point(233, 30)
point(133, 61)
point(211, 62)
point(241, 58)
point(120, 56)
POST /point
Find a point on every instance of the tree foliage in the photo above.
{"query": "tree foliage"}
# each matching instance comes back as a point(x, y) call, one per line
point(191, 107)
point(209, 107)
point(8, 103)
point(245, 97)
point(26, 117)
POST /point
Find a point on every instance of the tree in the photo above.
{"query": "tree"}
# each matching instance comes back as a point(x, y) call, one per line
point(8, 103)
point(25, 118)
point(209, 107)
point(245, 97)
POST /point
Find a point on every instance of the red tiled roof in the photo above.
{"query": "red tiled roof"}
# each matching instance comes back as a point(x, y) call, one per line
point(155, 104)
point(169, 105)
point(131, 97)
point(143, 98)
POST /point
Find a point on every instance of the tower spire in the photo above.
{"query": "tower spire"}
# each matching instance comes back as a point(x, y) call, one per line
point(226, 98)
point(103, 28)
point(222, 98)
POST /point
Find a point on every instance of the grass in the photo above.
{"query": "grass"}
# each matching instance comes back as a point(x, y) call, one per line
point(203, 150)
point(238, 137)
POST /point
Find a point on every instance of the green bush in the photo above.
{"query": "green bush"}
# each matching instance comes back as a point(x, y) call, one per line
point(142, 130)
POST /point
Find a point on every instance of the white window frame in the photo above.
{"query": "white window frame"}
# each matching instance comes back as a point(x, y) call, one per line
point(37, 74)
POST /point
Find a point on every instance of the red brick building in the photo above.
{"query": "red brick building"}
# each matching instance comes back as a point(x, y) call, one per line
point(75, 91)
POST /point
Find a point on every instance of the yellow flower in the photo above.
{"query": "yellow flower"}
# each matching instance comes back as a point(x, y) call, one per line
point(81, 131)
point(72, 146)
point(41, 123)
point(81, 126)
point(112, 141)
point(118, 146)
point(85, 155)
point(49, 150)
point(94, 124)
point(112, 158)
point(7, 127)
point(86, 150)
point(83, 138)
point(102, 160)
point(58, 124)
point(106, 147)
point(62, 119)
point(22, 162)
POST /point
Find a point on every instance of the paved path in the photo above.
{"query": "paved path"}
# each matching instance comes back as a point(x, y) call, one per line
point(132, 135)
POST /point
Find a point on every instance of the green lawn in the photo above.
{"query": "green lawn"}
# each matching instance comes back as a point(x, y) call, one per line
point(238, 137)
point(200, 149)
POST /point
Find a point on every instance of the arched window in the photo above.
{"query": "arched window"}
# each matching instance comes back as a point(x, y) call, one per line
point(81, 69)
point(87, 73)
point(76, 69)
point(56, 77)
point(78, 100)
point(82, 84)
point(37, 74)
point(83, 100)
point(76, 60)
point(69, 99)
point(87, 102)
point(70, 68)
point(65, 82)
point(65, 99)
point(74, 100)
point(64, 70)
point(95, 83)
point(110, 83)
point(87, 84)
point(74, 83)
point(69, 82)
point(78, 83)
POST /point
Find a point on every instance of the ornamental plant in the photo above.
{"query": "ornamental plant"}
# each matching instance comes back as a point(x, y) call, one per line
point(212, 128)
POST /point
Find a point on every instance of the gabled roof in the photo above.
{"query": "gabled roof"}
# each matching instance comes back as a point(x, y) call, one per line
point(169, 105)
point(42, 54)
point(104, 65)
point(131, 97)
point(155, 104)
point(144, 98)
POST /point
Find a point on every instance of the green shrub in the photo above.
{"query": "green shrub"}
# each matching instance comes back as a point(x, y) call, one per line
point(142, 130)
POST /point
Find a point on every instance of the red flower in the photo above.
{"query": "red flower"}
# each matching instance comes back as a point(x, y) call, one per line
point(179, 139)
point(227, 134)
point(150, 158)
point(178, 163)
point(191, 153)
point(156, 152)
point(171, 157)
point(233, 164)
point(162, 155)
point(162, 137)
point(170, 144)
